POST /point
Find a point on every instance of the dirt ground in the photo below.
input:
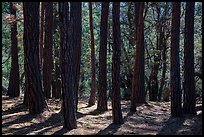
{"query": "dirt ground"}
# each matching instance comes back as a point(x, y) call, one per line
point(150, 119)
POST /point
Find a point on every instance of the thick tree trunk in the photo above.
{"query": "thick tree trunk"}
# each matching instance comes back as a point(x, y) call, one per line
point(92, 97)
point(175, 84)
point(189, 81)
point(47, 51)
point(116, 82)
point(36, 100)
point(14, 78)
point(102, 93)
point(76, 26)
point(66, 63)
point(138, 92)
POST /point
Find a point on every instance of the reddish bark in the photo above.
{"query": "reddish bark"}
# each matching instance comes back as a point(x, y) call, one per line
point(102, 87)
point(116, 82)
point(14, 78)
point(92, 97)
point(138, 92)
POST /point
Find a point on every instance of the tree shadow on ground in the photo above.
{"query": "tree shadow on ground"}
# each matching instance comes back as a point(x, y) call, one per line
point(172, 126)
point(61, 131)
point(79, 115)
point(96, 112)
point(15, 109)
point(113, 128)
point(189, 124)
point(53, 121)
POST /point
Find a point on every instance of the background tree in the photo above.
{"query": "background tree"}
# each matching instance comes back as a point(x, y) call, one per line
point(36, 100)
point(116, 106)
point(175, 86)
point(138, 92)
point(165, 35)
point(102, 93)
point(47, 51)
point(56, 78)
point(153, 82)
point(92, 97)
point(68, 103)
point(189, 81)
point(14, 78)
point(42, 16)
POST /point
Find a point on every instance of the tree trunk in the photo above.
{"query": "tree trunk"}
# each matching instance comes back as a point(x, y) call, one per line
point(165, 36)
point(162, 81)
point(175, 89)
point(102, 87)
point(189, 81)
point(116, 82)
point(92, 97)
point(131, 22)
point(36, 100)
point(25, 98)
point(154, 84)
point(68, 103)
point(76, 36)
point(47, 51)
point(14, 78)
point(137, 13)
point(41, 32)
point(138, 92)
point(56, 81)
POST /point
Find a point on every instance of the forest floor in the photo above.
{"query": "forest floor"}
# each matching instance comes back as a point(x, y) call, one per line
point(152, 118)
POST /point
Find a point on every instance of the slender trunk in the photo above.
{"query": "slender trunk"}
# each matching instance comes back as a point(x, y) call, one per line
point(164, 57)
point(162, 81)
point(92, 97)
point(41, 32)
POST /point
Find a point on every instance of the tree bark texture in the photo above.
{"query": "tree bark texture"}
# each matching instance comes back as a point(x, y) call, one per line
point(102, 88)
point(175, 84)
point(42, 31)
point(14, 78)
point(47, 51)
point(138, 92)
point(66, 50)
point(189, 81)
point(76, 36)
point(116, 82)
point(92, 97)
point(36, 100)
